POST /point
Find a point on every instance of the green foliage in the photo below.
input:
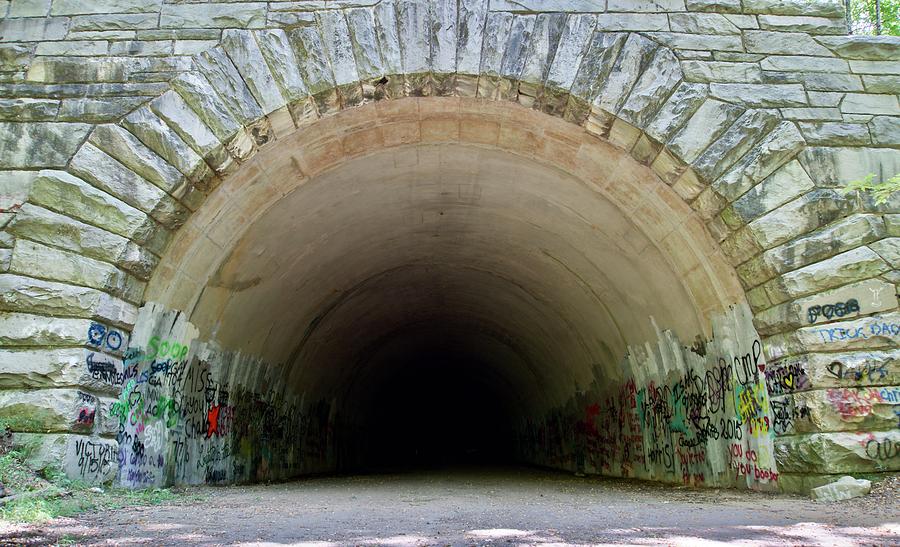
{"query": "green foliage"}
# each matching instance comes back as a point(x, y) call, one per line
point(862, 15)
point(881, 191)
point(50, 493)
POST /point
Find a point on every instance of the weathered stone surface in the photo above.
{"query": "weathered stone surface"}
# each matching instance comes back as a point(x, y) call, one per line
point(676, 111)
point(862, 47)
point(472, 19)
point(885, 130)
point(62, 231)
point(388, 36)
point(844, 488)
point(41, 368)
point(573, 45)
point(888, 249)
point(825, 8)
point(101, 170)
point(701, 23)
point(244, 52)
point(172, 109)
point(40, 411)
point(760, 95)
point(196, 90)
point(847, 267)
point(812, 25)
point(162, 139)
point(734, 143)
point(655, 85)
point(39, 144)
point(27, 294)
point(338, 46)
point(361, 22)
point(22, 329)
point(415, 45)
point(720, 6)
point(785, 184)
point(98, 110)
point(802, 63)
point(545, 37)
point(709, 121)
point(276, 50)
point(227, 81)
point(836, 452)
point(868, 103)
point(783, 43)
point(313, 64)
point(832, 166)
point(841, 236)
point(444, 17)
point(603, 50)
point(72, 196)
point(711, 42)
point(721, 71)
point(779, 146)
point(132, 153)
point(33, 29)
point(236, 15)
point(29, 258)
point(516, 46)
point(831, 133)
point(797, 217)
point(26, 110)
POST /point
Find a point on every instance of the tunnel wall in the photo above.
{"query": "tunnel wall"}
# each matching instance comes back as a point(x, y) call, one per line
point(113, 136)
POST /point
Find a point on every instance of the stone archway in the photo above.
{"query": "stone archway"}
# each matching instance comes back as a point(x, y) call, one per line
point(726, 182)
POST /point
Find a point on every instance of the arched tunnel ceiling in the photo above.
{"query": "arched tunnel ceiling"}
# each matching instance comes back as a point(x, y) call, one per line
point(444, 245)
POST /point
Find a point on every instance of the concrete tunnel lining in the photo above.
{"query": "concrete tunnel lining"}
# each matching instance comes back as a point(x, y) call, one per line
point(452, 244)
point(320, 270)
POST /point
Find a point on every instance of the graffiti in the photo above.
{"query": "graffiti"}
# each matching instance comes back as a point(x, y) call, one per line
point(840, 334)
point(105, 338)
point(870, 371)
point(785, 412)
point(828, 311)
point(854, 403)
point(677, 428)
point(94, 458)
point(884, 449)
point(782, 379)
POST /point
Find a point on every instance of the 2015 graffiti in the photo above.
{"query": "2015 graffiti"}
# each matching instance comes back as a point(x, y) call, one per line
point(828, 311)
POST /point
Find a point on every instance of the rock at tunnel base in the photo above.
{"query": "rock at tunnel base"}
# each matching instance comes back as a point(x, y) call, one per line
point(842, 489)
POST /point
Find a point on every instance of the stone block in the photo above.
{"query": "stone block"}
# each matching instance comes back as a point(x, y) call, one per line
point(844, 488)
point(862, 47)
point(833, 133)
point(23, 329)
point(803, 23)
point(213, 15)
point(838, 452)
point(34, 145)
point(885, 130)
point(869, 103)
point(40, 411)
point(25, 109)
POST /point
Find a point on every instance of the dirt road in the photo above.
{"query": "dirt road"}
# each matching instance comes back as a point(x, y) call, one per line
point(478, 506)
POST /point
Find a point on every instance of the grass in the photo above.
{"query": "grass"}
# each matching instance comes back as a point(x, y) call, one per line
point(41, 496)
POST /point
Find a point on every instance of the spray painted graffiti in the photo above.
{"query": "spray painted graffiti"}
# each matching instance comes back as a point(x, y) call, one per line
point(711, 423)
point(828, 311)
point(178, 422)
point(782, 379)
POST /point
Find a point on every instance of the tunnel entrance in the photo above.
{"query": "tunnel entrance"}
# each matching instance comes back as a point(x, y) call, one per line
point(490, 294)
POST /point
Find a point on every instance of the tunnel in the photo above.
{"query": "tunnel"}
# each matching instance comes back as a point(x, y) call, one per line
point(495, 286)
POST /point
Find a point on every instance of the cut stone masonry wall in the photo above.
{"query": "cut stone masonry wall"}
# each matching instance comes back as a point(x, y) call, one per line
point(120, 117)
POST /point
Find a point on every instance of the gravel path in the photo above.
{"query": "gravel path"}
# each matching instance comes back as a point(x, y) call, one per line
point(478, 506)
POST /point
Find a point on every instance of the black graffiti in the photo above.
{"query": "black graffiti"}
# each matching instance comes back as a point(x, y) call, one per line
point(785, 413)
point(869, 371)
point(882, 450)
point(828, 311)
point(95, 458)
point(104, 370)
